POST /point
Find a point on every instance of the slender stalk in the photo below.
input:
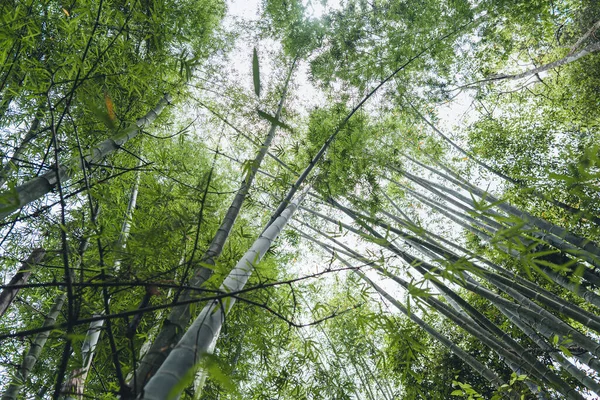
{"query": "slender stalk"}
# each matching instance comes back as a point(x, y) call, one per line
point(536, 293)
point(179, 317)
point(21, 277)
point(488, 374)
point(315, 160)
point(448, 212)
point(35, 188)
point(575, 288)
point(520, 183)
point(535, 367)
point(198, 339)
point(557, 259)
point(11, 164)
point(74, 387)
point(582, 39)
point(552, 234)
point(505, 277)
point(468, 205)
point(578, 374)
point(532, 366)
point(589, 49)
point(525, 309)
point(34, 352)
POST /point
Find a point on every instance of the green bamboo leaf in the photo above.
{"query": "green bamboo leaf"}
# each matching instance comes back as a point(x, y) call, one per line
point(9, 200)
point(247, 170)
point(273, 120)
point(207, 266)
point(256, 73)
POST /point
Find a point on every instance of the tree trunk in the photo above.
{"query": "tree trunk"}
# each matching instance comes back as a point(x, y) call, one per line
point(40, 186)
point(75, 385)
point(21, 277)
point(557, 236)
point(488, 374)
point(485, 372)
point(505, 278)
point(548, 350)
point(589, 49)
point(33, 354)
point(205, 330)
point(11, 164)
point(469, 360)
point(523, 312)
point(179, 317)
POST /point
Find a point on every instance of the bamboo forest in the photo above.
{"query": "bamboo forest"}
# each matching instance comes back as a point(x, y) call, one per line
point(299, 199)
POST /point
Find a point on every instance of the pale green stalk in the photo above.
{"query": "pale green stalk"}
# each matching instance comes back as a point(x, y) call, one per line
point(198, 339)
point(74, 387)
point(35, 188)
point(34, 352)
point(171, 331)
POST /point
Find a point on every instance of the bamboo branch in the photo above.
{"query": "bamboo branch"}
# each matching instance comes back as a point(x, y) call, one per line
point(12, 200)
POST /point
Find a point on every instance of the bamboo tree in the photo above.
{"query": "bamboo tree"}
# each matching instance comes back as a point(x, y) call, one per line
point(506, 279)
point(547, 321)
point(74, 387)
point(356, 46)
point(540, 236)
point(179, 317)
point(36, 188)
point(484, 322)
point(34, 352)
point(341, 364)
point(460, 217)
point(460, 305)
point(11, 164)
point(468, 359)
point(556, 236)
point(204, 331)
point(21, 277)
point(529, 313)
point(319, 155)
point(478, 367)
point(38, 344)
point(487, 237)
point(578, 374)
point(363, 379)
point(533, 367)
point(518, 182)
point(586, 318)
point(432, 186)
point(589, 49)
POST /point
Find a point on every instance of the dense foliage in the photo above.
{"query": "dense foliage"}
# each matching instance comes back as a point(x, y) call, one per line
point(337, 200)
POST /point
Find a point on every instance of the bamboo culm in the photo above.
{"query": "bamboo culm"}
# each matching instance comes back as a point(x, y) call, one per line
point(21, 277)
point(34, 352)
point(179, 317)
point(74, 387)
point(488, 374)
point(205, 329)
point(535, 367)
point(37, 187)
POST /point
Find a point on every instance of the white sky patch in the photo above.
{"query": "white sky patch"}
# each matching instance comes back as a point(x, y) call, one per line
point(245, 9)
point(456, 112)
